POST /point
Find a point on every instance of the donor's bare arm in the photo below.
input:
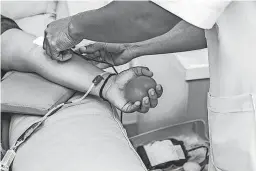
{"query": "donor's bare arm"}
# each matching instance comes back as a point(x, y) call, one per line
point(20, 54)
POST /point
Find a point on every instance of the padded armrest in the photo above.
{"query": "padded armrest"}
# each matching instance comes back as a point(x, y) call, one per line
point(28, 93)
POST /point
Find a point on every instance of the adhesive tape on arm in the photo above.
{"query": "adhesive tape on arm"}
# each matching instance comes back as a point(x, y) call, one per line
point(39, 41)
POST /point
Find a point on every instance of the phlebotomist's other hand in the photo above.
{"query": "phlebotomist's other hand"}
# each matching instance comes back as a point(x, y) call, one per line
point(115, 93)
point(113, 53)
point(57, 40)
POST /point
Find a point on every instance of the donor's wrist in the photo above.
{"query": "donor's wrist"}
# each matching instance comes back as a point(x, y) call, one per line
point(110, 80)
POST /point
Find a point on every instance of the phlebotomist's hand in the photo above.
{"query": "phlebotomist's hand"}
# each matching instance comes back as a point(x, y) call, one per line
point(113, 53)
point(57, 40)
point(115, 91)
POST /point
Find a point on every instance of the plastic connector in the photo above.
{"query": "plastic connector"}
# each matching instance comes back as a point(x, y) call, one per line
point(97, 80)
point(7, 160)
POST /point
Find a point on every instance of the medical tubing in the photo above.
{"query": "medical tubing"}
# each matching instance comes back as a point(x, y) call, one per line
point(10, 154)
point(7, 160)
point(112, 66)
point(91, 59)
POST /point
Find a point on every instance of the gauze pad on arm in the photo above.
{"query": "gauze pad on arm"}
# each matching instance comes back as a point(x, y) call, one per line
point(39, 41)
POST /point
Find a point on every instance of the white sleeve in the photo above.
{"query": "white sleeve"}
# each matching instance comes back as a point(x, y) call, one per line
point(201, 13)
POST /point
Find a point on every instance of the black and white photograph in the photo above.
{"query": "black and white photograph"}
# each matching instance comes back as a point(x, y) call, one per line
point(113, 85)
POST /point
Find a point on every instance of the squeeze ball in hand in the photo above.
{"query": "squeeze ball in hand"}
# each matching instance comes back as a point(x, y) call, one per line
point(191, 166)
point(138, 88)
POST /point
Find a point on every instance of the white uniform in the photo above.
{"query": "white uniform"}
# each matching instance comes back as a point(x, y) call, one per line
point(230, 30)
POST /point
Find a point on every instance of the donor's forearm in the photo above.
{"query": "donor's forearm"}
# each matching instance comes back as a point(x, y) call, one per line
point(20, 54)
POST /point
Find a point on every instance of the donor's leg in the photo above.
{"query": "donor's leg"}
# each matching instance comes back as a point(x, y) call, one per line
point(80, 137)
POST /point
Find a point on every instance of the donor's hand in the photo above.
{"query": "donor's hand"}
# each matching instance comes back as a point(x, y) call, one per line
point(115, 91)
